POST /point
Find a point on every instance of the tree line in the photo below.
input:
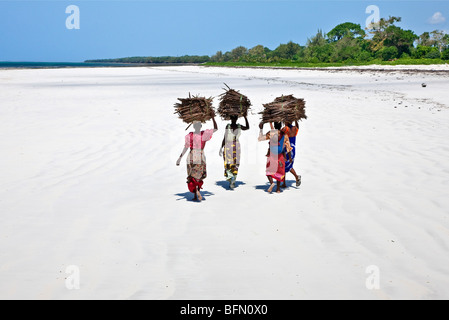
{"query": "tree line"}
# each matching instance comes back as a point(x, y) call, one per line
point(156, 60)
point(346, 42)
point(349, 42)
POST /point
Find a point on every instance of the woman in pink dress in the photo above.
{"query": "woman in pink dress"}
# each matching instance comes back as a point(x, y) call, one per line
point(196, 160)
point(279, 147)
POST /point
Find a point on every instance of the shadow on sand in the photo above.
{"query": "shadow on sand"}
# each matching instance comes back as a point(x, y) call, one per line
point(225, 184)
point(289, 183)
point(188, 196)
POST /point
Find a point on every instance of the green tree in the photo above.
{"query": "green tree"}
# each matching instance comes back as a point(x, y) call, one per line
point(446, 40)
point(378, 32)
point(292, 49)
point(434, 53)
point(238, 53)
point(318, 49)
point(287, 51)
point(256, 54)
point(440, 39)
point(218, 57)
point(318, 40)
point(227, 56)
point(258, 50)
point(420, 51)
point(401, 39)
point(445, 55)
point(347, 29)
point(364, 56)
point(389, 53)
point(386, 34)
point(425, 40)
point(345, 49)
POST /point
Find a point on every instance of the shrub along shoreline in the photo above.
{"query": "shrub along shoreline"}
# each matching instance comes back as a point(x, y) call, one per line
point(292, 64)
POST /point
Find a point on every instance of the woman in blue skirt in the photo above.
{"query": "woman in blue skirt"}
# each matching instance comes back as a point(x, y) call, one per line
point(291, 131)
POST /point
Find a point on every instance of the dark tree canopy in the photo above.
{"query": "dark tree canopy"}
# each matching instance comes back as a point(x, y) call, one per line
point(287, 51)
point(238, 52)
point(401, 39)
point(347, 29)
point(387, 34)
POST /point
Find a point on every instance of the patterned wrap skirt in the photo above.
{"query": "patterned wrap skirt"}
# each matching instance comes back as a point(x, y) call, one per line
point(231, 158)
point(276, 166)
point(290, 161)
point(196, 169)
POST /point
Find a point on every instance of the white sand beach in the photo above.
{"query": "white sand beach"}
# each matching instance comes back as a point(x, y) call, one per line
point(88, 179)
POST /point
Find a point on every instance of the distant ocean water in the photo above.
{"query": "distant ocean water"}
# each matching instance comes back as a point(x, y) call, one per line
point(38, 65)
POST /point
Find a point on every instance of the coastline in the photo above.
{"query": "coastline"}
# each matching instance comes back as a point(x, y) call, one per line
point(6, 65)
point(439, 69)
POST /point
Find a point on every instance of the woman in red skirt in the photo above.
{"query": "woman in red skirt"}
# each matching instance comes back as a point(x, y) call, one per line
point(279, 146)
point(196, 160)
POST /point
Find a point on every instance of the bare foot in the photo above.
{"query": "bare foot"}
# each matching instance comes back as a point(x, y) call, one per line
point(270, 189)
point(199, 195)
point(278, 190)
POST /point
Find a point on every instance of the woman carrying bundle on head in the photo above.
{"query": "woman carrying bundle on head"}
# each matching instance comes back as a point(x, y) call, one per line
point(196, 160)
point(279, 147)
point(283, 109)
point(232, 105)
point(231, 146)
point(291, 132)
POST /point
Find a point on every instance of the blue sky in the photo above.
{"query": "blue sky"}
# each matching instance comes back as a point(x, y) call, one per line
point(36, 30)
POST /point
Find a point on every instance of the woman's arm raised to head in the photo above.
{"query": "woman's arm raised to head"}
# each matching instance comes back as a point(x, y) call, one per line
point(246, 126)
point(262, 137)
point(215, 124)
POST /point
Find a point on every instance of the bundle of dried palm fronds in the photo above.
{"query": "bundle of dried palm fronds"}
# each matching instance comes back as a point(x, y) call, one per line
point(233, 103)
point(284, 109)
point(195, 109)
